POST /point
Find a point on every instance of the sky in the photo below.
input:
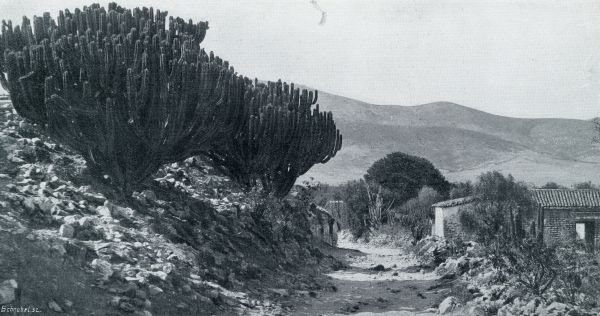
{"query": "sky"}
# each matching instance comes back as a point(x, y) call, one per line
point(513, 58)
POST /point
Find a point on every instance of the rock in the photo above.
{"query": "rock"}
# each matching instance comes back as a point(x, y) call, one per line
point(68, 303)
point(103, 211)
point(8, 291)
point(45, 205)
point(86, 222)
point(66, 231)
point(160, 274)
point(96, 198)
point(557, 307)
point(447, 305)
point(54, 306)
point(29, 204)
point(104, 267)
point(378, 267)
point(149, 195)
point(154, 290)
point(182, 305)
point(281, 292)
point(126, 307)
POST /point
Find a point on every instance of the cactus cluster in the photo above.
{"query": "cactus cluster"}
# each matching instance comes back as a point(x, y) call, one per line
point(131, 90)
point(282, 137)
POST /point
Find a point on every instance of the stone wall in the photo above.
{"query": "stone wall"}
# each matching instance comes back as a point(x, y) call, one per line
point(559, 224)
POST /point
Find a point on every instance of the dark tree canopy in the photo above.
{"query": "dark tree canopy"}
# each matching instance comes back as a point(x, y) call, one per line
point(404, 175)
point(461, 189)
point(131, 90)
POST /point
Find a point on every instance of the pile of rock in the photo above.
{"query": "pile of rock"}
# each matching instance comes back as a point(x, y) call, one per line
point(189, 235)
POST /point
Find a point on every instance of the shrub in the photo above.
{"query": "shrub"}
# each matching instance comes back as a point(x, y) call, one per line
point(578, 281)
point(499, 208)
point(416, 214)
point(533, 264)
point(356, 198)
point(131, 91)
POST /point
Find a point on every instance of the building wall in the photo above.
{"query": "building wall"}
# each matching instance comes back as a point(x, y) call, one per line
point(438, 223)
point(447, 223)
point(560, 224)
point(323, 226)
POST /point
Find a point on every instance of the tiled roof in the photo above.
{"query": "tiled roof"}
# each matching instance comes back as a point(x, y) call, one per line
point(566, 198)
point(454, 202)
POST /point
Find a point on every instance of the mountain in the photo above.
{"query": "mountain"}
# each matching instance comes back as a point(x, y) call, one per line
point(460, 141)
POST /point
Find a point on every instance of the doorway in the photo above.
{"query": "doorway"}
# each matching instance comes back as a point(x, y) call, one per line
point(586, 231)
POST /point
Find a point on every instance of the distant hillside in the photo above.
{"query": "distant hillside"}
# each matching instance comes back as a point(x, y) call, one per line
point(461, 141)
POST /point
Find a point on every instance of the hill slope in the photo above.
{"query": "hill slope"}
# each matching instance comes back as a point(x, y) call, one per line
point(461, 141)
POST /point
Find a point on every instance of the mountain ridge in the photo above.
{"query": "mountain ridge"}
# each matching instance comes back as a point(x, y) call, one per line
point(461, 141)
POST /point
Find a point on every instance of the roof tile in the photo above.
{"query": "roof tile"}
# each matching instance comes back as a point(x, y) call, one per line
point(566, 198)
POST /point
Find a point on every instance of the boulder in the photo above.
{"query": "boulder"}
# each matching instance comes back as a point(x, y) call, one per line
point(447, 305)
point(66, 231)
point(7, 291)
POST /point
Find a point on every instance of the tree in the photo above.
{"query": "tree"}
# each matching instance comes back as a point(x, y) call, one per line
point(130, 91)
point(416, 214)
point(461, 189)
point(356, 198)
point(404, 175)
point(585, 186)
point(552, 185)
point(497, 213)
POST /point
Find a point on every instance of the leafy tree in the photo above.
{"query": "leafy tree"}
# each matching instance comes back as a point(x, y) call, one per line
point(552, 185)
point(499, 208)
point(404, 175)
point(461, 189)
point(416, 214)
point(585, 186)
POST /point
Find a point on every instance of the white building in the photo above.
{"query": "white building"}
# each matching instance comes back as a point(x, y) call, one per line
point(446, 223)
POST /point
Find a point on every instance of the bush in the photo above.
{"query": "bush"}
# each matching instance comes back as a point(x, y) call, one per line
point(131, 91)
point(416, 214)
point(578, 281)
point(499, 208)
point(533, 264)
point(356, 198)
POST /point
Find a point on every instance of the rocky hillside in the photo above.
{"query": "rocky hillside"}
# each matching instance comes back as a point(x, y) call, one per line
point(189, 243)
point(461, 141)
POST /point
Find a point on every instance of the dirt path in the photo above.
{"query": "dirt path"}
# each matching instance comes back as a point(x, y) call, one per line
point(364, 289)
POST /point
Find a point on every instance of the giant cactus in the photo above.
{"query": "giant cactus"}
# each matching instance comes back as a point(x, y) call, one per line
point(282, 138)
point(124, 88)
point(131, 90)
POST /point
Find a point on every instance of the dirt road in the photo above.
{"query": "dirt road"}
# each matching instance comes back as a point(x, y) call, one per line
point(380, 281)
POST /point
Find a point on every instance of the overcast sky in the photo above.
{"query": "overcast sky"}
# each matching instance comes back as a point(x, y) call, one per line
point(514, 58)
